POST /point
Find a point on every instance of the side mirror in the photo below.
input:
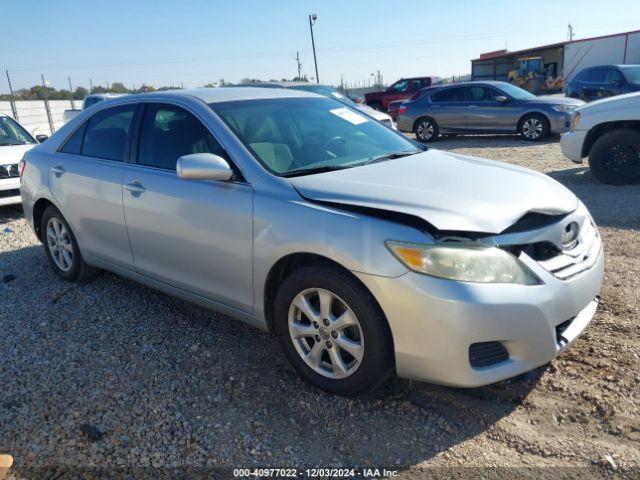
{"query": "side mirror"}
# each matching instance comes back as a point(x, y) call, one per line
point(41, 138)
point(502, 99)
point(203, 166)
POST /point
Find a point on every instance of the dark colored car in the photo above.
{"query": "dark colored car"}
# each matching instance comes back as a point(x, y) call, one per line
point(603, 81)
point(403, 89)
point(485, 107)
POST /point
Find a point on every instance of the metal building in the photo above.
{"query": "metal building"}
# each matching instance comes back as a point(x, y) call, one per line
point(566, 58)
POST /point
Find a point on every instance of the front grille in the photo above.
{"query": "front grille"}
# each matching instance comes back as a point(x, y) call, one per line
point(579, 258)
point(484, 354)
point(14, 192)
point(9, 171)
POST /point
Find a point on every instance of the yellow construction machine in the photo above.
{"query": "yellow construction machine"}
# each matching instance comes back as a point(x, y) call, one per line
point(534, 75)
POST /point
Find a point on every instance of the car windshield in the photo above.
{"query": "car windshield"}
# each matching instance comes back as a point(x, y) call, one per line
point(632, 74)
point(11, 133)
point(326, 91)
point(290, 135)
point(515, 92)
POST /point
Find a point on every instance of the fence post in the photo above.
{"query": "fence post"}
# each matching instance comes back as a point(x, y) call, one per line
point(46, 104)
point(12, 100)
point(73, 104)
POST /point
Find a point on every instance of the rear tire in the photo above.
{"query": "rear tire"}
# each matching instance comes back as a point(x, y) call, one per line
point(615, 157)
point(62, 249)
point(426, 130)
point(329, 296)
point(534, 127)
point(377, 106)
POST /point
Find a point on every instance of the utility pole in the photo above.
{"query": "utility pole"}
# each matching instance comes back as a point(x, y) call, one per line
point(46, 104)
point(90, 86)
point(14, 109)
point(312, 20)
point(73, 104)
point(570, 33)
point(299, 66)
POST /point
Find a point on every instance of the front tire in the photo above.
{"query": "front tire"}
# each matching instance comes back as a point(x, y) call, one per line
point(62, 249)
point(426, 130)
point(332, 331)
point(615, 157)
point(534, 127)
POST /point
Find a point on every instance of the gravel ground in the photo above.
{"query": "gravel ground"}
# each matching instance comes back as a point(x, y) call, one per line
point(113, 374)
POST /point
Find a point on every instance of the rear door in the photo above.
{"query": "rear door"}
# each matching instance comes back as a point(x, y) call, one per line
point(86, 181)
point(192, 234)
point(449, 109)
point(614, 82)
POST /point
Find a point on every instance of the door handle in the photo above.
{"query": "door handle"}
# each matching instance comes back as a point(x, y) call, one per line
point(58, 169)
point(472, 106)
point(135, 187)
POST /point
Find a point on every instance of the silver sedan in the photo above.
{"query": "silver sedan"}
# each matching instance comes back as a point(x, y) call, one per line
point(363, 252)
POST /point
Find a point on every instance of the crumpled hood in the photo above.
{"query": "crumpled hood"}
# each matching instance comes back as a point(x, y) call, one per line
point(10, 154)
point(450, 191)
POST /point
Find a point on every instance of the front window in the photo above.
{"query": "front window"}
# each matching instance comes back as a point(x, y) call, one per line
point(515, 92)
point(632, 74)
point(400, 86)
point(302, 135)
point(11, 133)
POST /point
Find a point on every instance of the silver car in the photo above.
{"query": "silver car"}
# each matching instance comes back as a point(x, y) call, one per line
point(363, 252)
point(485, 107)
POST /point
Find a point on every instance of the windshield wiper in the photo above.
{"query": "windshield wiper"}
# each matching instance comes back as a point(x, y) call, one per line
point(390, 156)
point(312, 170)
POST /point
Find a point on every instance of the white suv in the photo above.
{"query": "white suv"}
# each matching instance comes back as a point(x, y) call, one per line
point(608, 132)
point(14, 142)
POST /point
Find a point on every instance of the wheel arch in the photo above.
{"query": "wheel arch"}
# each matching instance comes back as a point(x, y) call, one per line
point(423, 117)
point(532, 112)
point(294, 261)
point(598, 130)
point(38, 211)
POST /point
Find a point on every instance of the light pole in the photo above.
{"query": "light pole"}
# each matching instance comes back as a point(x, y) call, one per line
point(312, 20)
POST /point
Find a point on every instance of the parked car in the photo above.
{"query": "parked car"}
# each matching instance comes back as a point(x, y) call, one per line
point(608, 132)
point(14, 142)
point(403, 89)
point(394, 106)
point(89, 100)
point(331, 92)
point(595, 83)
point(485, 107)
point(363, 251)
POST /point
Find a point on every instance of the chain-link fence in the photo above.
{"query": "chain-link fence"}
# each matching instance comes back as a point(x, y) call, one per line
point(37, 116)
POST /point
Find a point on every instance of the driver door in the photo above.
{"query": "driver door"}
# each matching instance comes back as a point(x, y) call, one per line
point(195, 235)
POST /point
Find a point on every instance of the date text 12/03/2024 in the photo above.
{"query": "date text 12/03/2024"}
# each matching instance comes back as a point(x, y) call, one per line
point(314, 473)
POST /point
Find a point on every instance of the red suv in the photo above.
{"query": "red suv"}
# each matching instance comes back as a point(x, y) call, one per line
point(403, 89)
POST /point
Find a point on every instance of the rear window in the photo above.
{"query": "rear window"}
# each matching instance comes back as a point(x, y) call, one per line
point(598, 75)
point(107, 133)
point(449, 95)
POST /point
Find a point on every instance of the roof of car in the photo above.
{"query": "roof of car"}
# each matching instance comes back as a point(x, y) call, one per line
point(228, 94)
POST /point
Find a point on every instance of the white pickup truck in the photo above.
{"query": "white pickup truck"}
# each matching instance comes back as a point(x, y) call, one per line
point(608, 132)
point(87, 102)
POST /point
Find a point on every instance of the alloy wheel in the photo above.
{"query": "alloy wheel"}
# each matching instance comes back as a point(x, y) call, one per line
point(425, 130)
point(326, 333)
point(532, 128)
point(59, 243)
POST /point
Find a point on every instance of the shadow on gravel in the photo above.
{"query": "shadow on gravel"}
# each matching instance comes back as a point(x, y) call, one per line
point(616, 206)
